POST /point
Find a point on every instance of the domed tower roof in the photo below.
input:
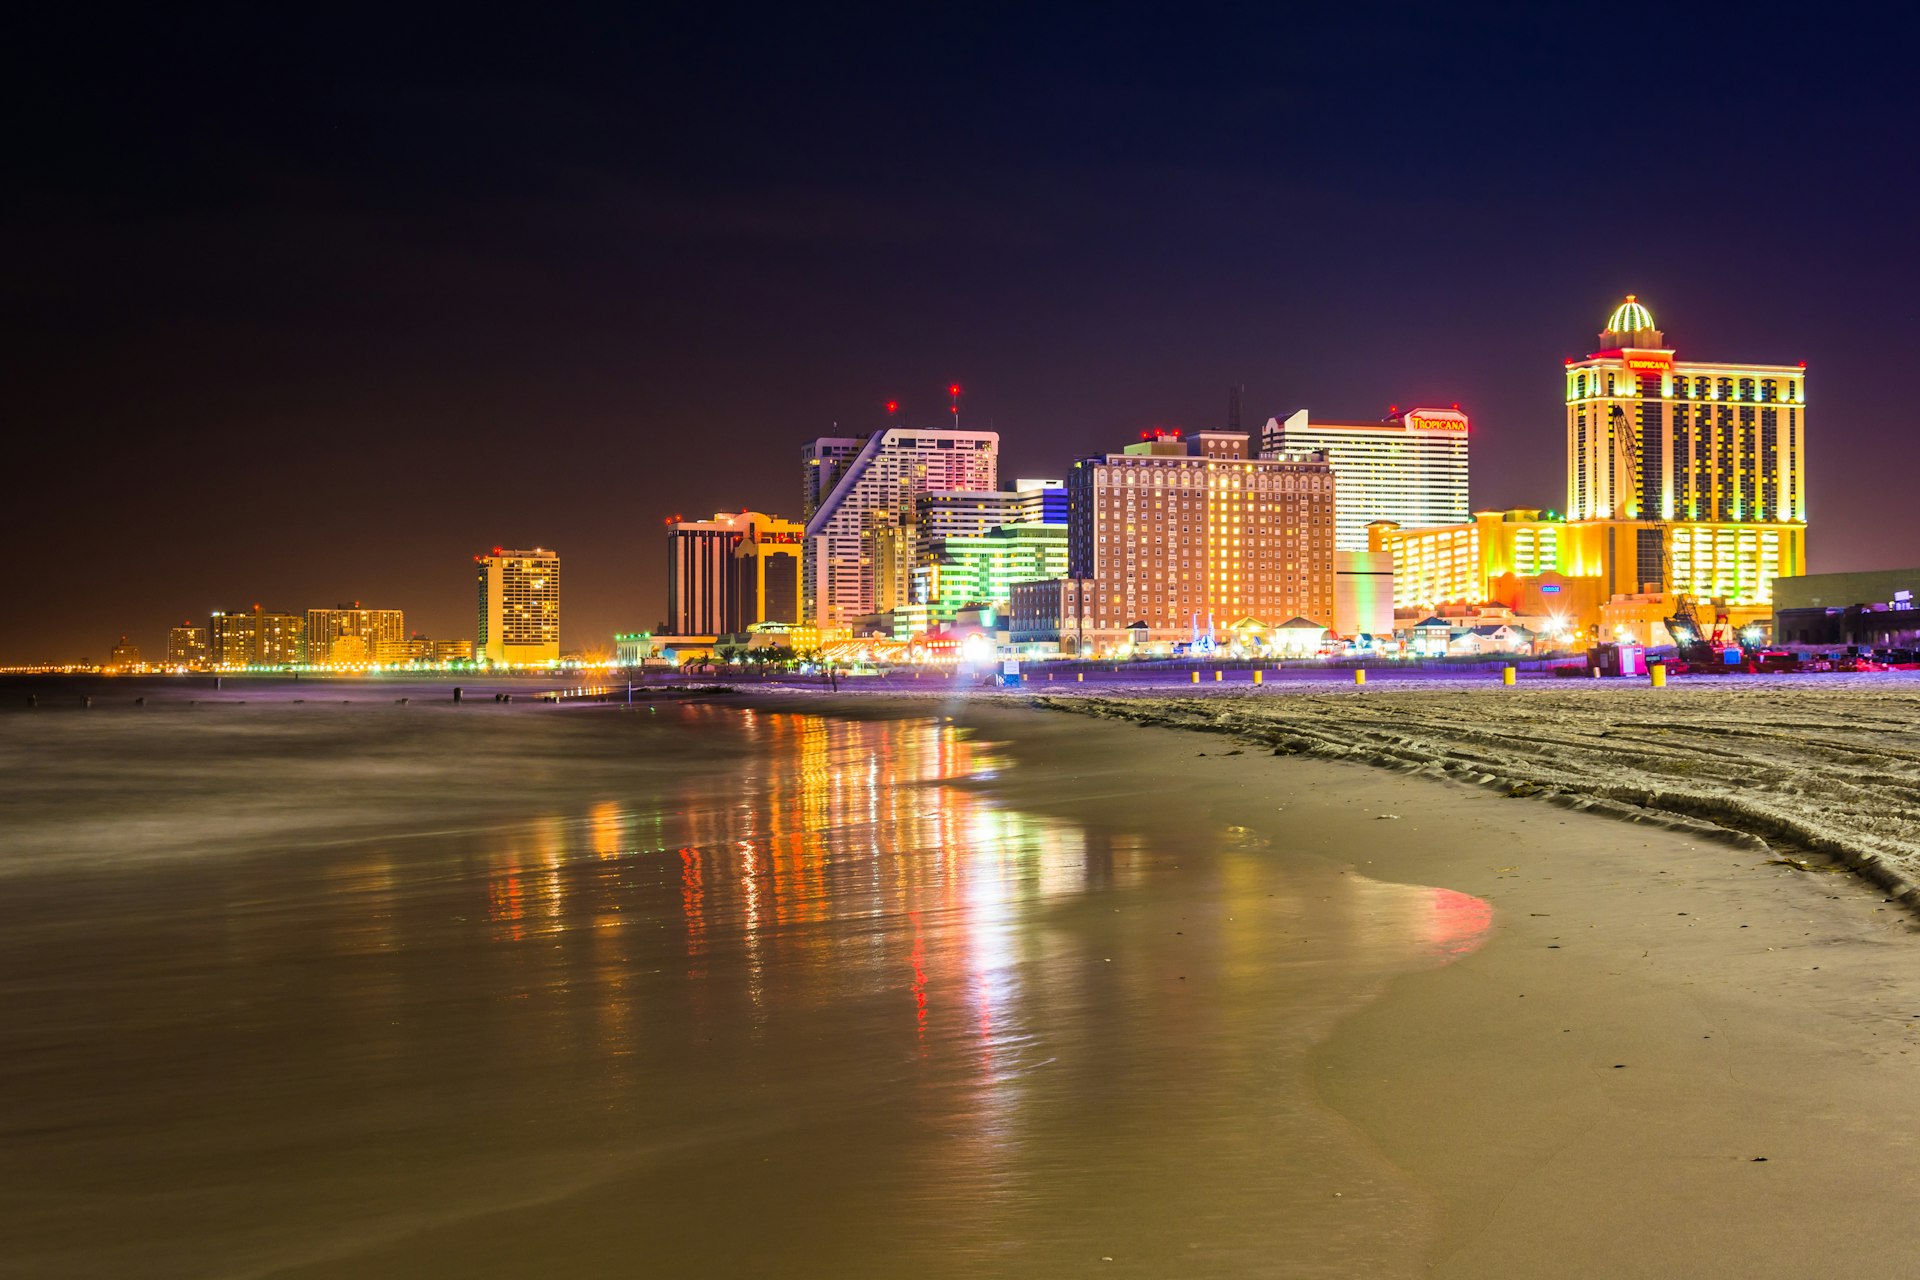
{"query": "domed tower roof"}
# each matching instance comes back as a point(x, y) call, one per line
point(1629, 317)
point(1631, 325)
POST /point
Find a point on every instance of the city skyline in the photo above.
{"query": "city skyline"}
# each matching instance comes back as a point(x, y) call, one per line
point(932, 482)
point(536, 322)
point(833, 457)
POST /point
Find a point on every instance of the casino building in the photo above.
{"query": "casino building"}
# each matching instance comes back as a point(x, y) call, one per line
point(1683, 478)
point(732, 572)
point(1702, 455)
point(1410, 468)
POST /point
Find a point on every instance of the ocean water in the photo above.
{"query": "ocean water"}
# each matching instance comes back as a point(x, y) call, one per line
point(309, 989)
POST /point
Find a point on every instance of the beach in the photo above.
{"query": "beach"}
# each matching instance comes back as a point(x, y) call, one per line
point(1829, 764)
point(1674, 1044)
point(944, 985)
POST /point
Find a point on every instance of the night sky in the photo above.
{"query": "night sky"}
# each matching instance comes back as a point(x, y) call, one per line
point(305, 307)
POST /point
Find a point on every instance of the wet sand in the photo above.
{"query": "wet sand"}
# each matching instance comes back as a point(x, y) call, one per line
point(1673, 1056)
point(324, 990)
point(999, 992)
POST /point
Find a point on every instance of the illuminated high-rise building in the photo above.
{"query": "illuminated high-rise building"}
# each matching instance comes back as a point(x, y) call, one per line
point(419, 648)
point(1196, 537)
point(968, 513)
point(822, 463)
point(256, 639)
point(187, 645)
point(519, 606)
point(874, 491)
point(1668, 442)
point(1683, 479)
point(348, 634)
point(1410, 468)
point(732, 572)
point(958, 571)
point(1650, 437)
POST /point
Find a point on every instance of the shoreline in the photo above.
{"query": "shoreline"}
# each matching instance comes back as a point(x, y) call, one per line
point(1784, 764)
point(1659, 1020)
point(1891, 867)
point(1467, 1038)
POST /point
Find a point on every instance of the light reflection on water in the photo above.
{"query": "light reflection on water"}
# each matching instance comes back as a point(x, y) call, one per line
point(714, 969)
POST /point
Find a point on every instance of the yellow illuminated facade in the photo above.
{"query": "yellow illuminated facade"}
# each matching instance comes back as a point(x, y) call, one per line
point(187, 645)
point(1655, 438)
point(1723, 560)
point(1458, 562)
point(1683, 478)
point(349, 635)
point(519, 606)
point(256, 639)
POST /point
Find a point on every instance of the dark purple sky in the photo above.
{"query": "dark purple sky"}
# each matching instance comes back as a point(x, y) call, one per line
point(302, 309)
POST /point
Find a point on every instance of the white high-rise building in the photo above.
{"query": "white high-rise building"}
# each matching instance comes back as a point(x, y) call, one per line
point(1411, 468)
point(519, 606)
point(822, 463)
point(874, 491)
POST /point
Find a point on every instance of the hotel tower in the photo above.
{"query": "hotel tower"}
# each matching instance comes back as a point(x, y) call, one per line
point(1652, 437)
point(1192, 537)
point(1410, 468)
point(859, 493)
point(732, 572)
point(519, 606)
point(1709, 458)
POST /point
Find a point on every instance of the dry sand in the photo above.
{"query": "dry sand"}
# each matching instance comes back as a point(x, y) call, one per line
point(1824, 764)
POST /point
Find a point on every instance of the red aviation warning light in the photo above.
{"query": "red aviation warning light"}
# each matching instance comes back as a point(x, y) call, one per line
point(893, 407)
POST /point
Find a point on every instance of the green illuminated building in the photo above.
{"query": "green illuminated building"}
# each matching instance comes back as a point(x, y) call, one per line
point(955, 572)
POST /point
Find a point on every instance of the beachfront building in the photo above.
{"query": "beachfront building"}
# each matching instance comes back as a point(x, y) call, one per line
point(187, 645)
point(1044, 616)
point(874, 490)
point(349, 634)
point(822, 463)
point(1182, 539)
point(1410, 467)
point(964, 513)
point(968, 548)
point(1433, 564)
point(1653, 437)
point(1560, 573)
point(732, 572)
point(425, 649)
point(519, 606)
point(256, 639)
point(1685, 477)
point(956, 572)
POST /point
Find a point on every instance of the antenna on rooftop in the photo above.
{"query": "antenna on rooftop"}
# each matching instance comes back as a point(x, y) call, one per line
point(1233, 406)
